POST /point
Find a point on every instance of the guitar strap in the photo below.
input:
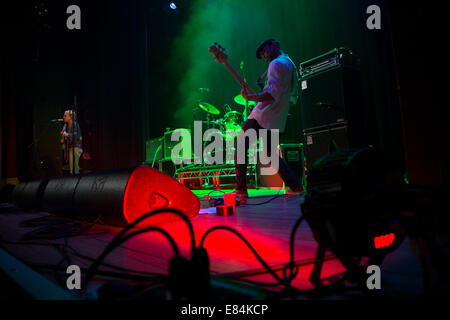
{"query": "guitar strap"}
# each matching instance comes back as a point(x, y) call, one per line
point(259, 82)
point(294, 83)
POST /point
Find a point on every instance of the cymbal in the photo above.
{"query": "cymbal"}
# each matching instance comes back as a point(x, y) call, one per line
point(208, 108)
point(239, 99)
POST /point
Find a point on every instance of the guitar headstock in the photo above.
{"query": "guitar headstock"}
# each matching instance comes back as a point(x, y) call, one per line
point(219, 52)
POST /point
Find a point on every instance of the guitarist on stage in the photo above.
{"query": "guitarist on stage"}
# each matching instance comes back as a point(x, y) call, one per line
point(271, 110)
point(71, 138)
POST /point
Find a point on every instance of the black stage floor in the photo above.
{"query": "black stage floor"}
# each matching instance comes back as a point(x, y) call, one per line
point(49, 244)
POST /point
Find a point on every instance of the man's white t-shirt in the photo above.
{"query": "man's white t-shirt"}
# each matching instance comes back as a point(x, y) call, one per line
point(281, 77)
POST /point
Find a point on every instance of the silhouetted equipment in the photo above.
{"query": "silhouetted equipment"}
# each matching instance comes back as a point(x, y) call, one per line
point(115, 197)
point(331, 104)
point(355, 211)
point(345, 211)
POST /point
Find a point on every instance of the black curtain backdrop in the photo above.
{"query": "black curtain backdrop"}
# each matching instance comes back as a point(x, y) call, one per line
point(111, 67)
point(419, 35)
point(136, 66)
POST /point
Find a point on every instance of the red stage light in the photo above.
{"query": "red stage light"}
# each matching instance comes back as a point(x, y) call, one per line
point(384, 240)
point(149, 189)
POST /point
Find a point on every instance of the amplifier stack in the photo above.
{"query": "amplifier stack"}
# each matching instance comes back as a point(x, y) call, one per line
point(331, 104)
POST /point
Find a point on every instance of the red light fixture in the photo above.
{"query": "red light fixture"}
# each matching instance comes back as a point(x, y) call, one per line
point(384, 240)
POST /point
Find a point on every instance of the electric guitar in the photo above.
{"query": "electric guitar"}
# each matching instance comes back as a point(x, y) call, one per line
point(222, 57)
point(64, 145)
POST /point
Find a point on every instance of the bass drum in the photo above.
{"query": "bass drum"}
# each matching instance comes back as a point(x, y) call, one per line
point(233, 121)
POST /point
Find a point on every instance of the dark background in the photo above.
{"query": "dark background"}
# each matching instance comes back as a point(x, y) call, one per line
point(135, 67)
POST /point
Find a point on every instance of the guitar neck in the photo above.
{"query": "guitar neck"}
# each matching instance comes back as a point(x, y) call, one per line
point(237, 76)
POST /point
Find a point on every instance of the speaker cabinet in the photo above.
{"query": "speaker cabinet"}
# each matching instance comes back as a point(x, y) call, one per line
point(331, 97)
point(332, 112)
point(154, 150)
point(169, 145)
point(319, 142)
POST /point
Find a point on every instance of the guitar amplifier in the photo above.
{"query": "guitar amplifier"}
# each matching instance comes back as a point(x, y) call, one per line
point(154, 150)
point(331, 59)
point(320, 141)
point(169, 145)
point(331, 90)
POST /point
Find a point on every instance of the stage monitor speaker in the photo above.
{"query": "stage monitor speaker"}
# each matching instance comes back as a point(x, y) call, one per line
point(115, 197)
point(292, 153)
point(28, 195)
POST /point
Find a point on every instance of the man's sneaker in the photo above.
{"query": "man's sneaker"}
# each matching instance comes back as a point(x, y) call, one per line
point(242, 196)
point(296, 192)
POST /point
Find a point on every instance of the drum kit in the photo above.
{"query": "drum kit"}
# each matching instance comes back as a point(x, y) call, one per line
point(227, 125)
point(231, 121)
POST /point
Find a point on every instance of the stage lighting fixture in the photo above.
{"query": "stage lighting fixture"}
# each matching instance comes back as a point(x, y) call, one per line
point(172, 5)
point(384, 240)
point(349, 209)
point(115, 197)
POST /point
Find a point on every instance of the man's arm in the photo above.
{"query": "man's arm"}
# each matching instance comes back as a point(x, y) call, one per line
point(258, 97)
point(275, 76)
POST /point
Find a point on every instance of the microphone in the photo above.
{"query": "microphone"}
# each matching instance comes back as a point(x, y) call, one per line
point(57, 120)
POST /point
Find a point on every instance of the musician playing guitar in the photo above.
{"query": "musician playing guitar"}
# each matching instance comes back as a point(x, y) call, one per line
point(271, 110)
point(71, 138)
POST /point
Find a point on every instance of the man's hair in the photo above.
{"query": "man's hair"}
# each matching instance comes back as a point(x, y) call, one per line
point(268, 42)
